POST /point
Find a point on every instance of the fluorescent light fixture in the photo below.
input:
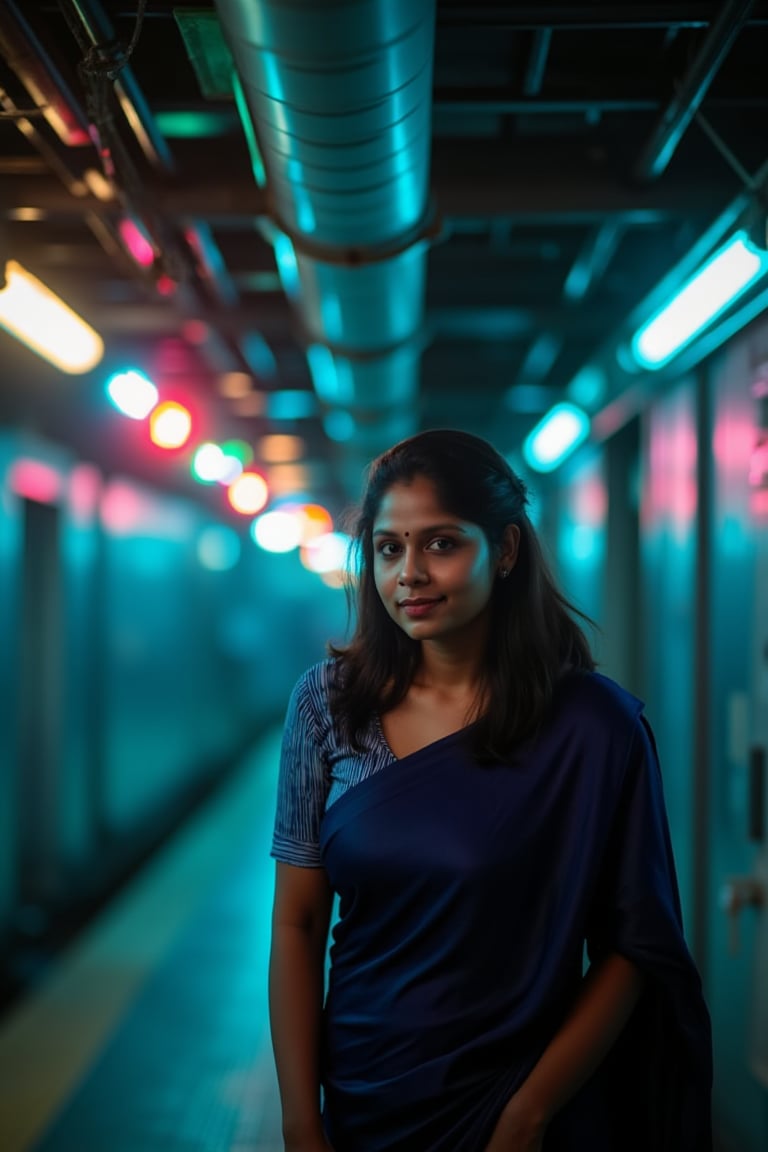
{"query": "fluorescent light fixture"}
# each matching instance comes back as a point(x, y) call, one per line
point(555, 436)
point(42, 321)
point(717, 284)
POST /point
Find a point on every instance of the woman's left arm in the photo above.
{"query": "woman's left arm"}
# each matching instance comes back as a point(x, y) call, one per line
point(608, 995)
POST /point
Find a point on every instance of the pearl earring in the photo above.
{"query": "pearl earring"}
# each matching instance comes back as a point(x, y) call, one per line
point(503, 573)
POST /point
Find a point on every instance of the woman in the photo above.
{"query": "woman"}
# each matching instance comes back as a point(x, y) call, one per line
point(487, 808)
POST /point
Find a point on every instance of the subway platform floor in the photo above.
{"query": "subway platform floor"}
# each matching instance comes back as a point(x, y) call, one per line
point(151, 1033)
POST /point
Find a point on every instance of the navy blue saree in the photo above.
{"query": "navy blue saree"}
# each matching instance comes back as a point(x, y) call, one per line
point(467, 896)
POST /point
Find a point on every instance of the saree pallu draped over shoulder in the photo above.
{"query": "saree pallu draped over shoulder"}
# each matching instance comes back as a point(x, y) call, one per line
point(466, 895)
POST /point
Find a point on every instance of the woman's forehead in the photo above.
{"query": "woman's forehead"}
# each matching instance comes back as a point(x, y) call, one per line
point(415, 502)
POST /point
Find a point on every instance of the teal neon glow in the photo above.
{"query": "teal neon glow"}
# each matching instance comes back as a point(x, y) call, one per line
point(339, 425)
point(291, 404)
point(218, 548)
point(331, 376)
point(555, 436)
point(287, 265)
point(132, 393)
point(717, 285)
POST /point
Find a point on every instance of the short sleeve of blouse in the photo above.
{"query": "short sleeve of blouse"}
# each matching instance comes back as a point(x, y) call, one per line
point(302, 779)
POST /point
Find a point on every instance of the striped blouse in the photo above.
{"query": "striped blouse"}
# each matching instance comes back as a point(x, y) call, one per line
point(317, 766)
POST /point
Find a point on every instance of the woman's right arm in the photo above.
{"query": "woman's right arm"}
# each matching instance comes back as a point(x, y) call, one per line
point(300, 921)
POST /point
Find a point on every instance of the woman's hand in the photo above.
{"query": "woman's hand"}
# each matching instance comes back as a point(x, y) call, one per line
point(517, 1130)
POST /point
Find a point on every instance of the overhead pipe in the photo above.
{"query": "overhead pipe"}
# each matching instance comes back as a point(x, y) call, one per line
point(45, 84)
point(340, 96)
point(682, 108)
point(96, 26)
point(199, 246)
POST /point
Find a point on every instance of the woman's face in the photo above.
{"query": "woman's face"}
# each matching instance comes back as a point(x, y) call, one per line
point(433, 571)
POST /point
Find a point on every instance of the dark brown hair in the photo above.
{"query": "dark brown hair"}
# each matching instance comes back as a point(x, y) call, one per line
point(533, 638)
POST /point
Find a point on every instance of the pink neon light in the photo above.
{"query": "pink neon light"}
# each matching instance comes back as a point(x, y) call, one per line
point(121, 509)
point(590, 501)
point(84, 490)
point(136, 242)
point(165, 285)
point(758, 465)
point(33, 480)
point(758, 502)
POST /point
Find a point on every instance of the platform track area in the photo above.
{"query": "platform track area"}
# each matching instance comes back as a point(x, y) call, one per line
point(151, 1034)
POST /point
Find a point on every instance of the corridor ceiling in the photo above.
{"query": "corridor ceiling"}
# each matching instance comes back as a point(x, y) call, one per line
point(572, 154)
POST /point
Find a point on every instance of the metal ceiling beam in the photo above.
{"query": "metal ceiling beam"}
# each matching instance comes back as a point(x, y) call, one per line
point(153, 319)
point(592, 261)
point(520, 17)
point(682, 108)
point(278, 324)
point(529, 16)
point(537, 62)
point(477, 181)
point(502, 102)
point(47, 87)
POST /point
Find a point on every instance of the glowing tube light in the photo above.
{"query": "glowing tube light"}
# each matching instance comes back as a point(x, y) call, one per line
point(717, 285)
point(42, 321)
point(132, 393)
point(555, 436)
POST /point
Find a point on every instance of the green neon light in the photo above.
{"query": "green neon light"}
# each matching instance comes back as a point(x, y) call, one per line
point(200, 125)
point(257, 163)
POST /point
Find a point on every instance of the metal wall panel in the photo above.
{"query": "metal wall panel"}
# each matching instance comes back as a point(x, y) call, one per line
point(155, 715)
point(581, 542)
point(78, 755)
point(733, 975)
point(668, 559)
point(10, 592)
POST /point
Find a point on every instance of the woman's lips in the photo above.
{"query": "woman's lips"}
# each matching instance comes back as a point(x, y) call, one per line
point(416, 608)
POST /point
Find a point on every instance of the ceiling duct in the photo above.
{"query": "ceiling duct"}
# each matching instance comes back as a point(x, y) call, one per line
point(340, 95)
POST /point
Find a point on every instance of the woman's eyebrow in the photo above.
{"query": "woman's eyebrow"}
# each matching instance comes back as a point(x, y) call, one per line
point(452, 527)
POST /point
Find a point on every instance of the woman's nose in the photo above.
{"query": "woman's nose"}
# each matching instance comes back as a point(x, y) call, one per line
point(412, 570)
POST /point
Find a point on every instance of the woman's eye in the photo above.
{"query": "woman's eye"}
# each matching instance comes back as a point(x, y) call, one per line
point(388, 548)
point(441, 544)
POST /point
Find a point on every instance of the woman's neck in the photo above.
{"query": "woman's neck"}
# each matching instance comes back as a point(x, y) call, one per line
point(450, 669)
